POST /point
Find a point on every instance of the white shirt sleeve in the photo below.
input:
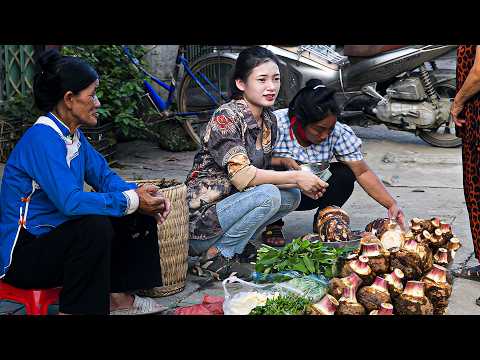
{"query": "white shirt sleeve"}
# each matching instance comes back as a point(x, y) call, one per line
point(132, 201)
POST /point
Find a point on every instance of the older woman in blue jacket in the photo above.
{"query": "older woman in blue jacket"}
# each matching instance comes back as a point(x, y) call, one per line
point(94, 245)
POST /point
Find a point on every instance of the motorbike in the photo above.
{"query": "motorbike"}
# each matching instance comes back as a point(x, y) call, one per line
point(398, 86)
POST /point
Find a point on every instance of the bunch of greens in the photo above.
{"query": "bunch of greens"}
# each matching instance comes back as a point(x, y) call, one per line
point(283, 305)
point(303, 256)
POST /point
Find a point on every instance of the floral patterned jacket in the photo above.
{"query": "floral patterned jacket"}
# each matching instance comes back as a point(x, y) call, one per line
point(233, 147)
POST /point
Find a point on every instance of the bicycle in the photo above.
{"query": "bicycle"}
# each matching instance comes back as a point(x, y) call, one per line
point(203, 88)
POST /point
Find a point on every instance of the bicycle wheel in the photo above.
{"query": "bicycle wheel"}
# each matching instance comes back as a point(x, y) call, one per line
point(191, 98)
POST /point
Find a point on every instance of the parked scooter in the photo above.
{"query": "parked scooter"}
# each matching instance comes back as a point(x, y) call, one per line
point(399, 86)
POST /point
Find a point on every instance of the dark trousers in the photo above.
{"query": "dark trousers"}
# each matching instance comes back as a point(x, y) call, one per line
point(340, 188)
point(89, 258)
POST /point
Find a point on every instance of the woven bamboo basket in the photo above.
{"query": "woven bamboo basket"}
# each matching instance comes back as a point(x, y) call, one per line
point(172, 239)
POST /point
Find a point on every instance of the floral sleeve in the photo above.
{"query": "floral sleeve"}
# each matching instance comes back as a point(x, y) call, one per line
point(224, 137)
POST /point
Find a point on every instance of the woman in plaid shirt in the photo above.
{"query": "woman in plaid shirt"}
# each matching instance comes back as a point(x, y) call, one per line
point(308, 132)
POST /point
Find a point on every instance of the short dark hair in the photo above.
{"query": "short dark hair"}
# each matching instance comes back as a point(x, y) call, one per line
point(247, 60)
point(313, 103)
point(59, 74)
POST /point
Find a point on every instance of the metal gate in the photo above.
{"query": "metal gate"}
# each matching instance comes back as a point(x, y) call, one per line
point(17, 68)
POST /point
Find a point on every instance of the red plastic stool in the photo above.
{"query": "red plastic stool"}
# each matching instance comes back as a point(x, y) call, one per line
point(36, 301)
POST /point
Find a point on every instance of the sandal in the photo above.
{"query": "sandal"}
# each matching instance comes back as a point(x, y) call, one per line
point(248, 254)
point(472, 273)
point(219, 266)
point(273, 236)
point(141, 306)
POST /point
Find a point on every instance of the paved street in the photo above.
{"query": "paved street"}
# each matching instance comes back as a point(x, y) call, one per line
point(426, 182)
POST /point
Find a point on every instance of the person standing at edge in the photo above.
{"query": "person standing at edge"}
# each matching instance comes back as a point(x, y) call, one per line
point(465, 113)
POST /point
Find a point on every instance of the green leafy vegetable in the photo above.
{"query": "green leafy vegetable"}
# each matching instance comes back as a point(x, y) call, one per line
point(283, 305)
point(301, 255)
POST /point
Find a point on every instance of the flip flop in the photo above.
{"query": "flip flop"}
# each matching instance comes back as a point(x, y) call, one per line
point(273, 236)
point(472, 273)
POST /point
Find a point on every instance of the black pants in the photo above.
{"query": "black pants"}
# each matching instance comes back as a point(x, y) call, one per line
point(89, 258)
point(340, 188)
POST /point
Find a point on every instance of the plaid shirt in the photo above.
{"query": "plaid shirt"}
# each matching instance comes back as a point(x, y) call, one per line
point(341, 143)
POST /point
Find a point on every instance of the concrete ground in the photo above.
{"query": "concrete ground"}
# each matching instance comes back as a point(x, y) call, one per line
point(426, 181)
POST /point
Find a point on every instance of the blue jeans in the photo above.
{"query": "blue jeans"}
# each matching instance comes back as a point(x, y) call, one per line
point(244, 215)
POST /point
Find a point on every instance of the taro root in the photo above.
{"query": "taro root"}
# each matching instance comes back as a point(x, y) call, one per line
point(413, 300)
point(369, 238)
point(423, 251)
point(441, 257)
point(454, 244)
point(437, 289)
point(333, 211)
point(452, 247)
point(337, 285)
point(310, 237)
point(395, 282)
point(378, 260)
point(360, 267)
point(438, 238)
point(392, 235)
point(334, 229)
point(385, 309)
point(348, 304)
point(327, 306)
point(426, 257)
point(446, 231)
point(407, 260)
point(372, 296)
point(378, 226)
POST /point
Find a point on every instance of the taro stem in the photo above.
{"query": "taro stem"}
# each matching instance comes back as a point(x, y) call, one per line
point(414, 289)
point(385, 309)
point(438, 274)
point(348, 295)
point(410, 245)
point(395, 278)
point(454, 244)
point(353, 280)
point(360, 266)
point(441, 257)
point(371, 250)
point(380, 284)
point(328, 305)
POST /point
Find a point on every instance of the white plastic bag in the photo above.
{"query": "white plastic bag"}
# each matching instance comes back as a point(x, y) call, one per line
point(250, 296)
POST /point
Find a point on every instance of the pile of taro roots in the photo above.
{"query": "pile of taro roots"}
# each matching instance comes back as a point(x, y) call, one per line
point(395, 272)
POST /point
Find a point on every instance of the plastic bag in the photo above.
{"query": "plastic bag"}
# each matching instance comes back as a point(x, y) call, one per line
point(211, 305)
point(311, 287)
point(247, 297)
point(281, 276)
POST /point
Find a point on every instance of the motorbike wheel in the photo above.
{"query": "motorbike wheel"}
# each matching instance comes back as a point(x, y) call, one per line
point(444, 136)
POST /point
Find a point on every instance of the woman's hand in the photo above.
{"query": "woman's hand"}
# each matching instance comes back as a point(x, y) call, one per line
point(310, 184)
point(395, 213)
point(153, 203)
point(455, 110)
point(290, 164)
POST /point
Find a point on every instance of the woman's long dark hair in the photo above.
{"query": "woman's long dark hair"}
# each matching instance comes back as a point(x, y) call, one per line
point(313, 103)
point(247, 60)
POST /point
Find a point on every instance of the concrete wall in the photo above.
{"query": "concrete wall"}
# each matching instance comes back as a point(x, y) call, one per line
point(161, 60)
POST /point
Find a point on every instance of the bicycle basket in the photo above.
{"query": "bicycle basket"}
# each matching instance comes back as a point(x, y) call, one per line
point(326, 53)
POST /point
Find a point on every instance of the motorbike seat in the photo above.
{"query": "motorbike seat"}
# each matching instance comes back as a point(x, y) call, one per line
point(368, 50)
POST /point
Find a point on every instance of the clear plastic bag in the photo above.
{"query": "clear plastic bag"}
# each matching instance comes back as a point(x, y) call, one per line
point(311, 287)
point(246, 297)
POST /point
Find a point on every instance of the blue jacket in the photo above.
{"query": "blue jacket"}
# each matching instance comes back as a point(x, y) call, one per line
point(43, 181)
